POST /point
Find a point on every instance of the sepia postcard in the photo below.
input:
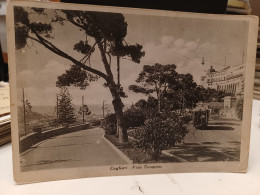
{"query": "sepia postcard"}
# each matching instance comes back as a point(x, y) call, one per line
point(109, 91)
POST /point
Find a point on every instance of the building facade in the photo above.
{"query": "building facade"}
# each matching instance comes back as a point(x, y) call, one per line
point(229, 80)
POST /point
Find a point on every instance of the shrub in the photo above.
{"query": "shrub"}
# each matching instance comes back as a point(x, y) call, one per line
point(37, 128)
point(239, 108)
point(53, 123)
point(216, 107)
point(186, 119)
point(159, 133)
point(134, 117)
point(95, 123)
point(109, 124)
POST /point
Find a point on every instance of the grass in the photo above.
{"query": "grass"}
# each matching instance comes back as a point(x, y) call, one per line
point(137, 155)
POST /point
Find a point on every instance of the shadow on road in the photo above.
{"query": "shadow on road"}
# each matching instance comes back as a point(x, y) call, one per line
point(223, 123)
point(34, 166)
point(208, 151)
point(220, 127)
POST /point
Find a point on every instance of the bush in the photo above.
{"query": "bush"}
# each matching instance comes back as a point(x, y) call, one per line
point(159, 133)
point(186, 119)
point(216, 107)
point(54, 123)
point(134, 117)
point(95, 123)
point(109, 124)
point(239, 108)
point(37, 129)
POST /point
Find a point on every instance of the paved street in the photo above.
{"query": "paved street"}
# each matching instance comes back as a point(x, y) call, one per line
point(83, 148)
point(219, 142)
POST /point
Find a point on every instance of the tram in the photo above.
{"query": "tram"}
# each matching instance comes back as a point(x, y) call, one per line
point(200, 117)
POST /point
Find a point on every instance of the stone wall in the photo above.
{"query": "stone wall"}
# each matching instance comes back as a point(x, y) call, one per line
point(34, 138)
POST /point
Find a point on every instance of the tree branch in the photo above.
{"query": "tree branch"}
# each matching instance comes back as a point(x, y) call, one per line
point(34, 39)
point(106, 64)
point(109, 58)
point(59, 52)
point(165, 88)
point(156, 89)
point(87, 56)
point(76, 24)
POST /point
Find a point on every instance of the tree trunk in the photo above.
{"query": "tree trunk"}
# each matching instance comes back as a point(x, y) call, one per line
point(118, 107)
point(117, 102)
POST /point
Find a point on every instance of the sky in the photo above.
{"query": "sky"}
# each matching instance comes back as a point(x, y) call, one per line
point(165, 40)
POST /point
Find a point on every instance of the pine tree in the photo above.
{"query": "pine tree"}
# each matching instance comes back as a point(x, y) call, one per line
point(66, 109)
point(104, 34)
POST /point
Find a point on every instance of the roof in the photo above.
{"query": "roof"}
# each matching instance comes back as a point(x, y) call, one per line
point(211, 70)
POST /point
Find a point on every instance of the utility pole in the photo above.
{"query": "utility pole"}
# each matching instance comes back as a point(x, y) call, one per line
point(118, 72)
point(181, 80)
point(118, 84)
point(103, 108)
point(243, 57)
point(24, 114)
point(57, 107)
point(159, 97)
point(83, 108)
point(183, 89)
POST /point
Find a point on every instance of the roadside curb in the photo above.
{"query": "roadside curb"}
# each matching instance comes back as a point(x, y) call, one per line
point(121, 154)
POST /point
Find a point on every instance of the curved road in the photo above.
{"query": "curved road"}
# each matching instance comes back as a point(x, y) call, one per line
point(78, 149)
